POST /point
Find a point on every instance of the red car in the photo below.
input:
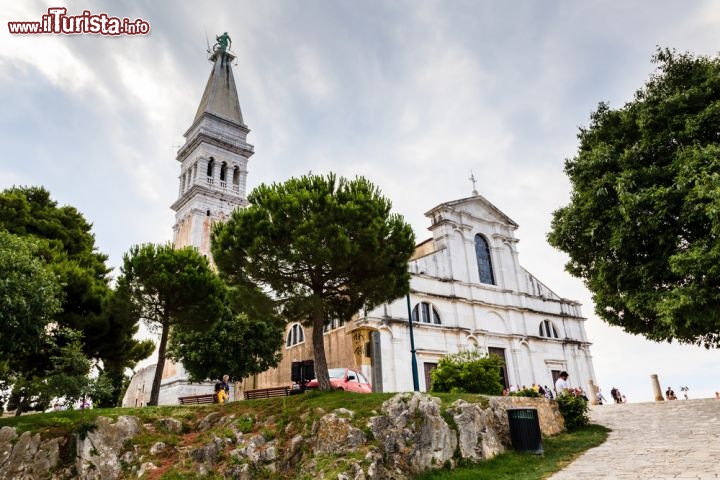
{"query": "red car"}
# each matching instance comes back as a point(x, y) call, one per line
point(345, 379)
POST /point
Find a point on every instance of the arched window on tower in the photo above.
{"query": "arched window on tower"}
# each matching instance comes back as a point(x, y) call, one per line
point(424, 312)
point(482, 251)
point(236, 179)
point(223, 175)
point(295, 335)
point(210, 170)
point(547, 329)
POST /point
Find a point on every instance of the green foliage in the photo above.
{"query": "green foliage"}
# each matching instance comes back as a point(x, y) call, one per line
point(326, 247)
point(169, 287)
point(468, 371)
point(67, 245)
point(245, 423)
point(85, 428)
point(526, 392)
point(642, 226)
point(574, 410)
point(236, 345)
point(59, 368)
point(124, 351)
point(62, 240)
point(29, 297)
point(68, 376)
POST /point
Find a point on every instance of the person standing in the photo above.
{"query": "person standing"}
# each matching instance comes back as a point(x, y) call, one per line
point(561, 384)
point(670, 394)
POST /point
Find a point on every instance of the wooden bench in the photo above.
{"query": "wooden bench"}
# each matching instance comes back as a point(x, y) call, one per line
point(267, 393)
point(197, 399)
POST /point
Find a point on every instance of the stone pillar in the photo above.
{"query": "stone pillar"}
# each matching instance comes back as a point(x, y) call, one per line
point(592, 392)
point(657, 393)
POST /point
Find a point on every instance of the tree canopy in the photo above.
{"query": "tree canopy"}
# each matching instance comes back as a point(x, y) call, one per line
point(30, 295)
point(64, 242)
point(468, 371)
point(167, 287)
point(642, 228)
point(324, 246)
point(237, 345)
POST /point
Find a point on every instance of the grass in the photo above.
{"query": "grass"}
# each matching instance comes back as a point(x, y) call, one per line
point(560, 451)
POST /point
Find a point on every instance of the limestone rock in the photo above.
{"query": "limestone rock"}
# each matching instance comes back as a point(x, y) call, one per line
point(146, 467)
point(208, 454)
point(157, 448)
point(209, 420)
point(171, 425)
point(337, 435)
point(97, 454)
point(478, 438)
point(7, 439)
point(413, 434)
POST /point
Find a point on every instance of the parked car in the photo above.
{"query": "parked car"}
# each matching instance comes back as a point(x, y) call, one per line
point(345, 379)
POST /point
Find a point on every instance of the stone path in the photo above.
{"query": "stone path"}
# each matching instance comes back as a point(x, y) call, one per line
point(649, 441)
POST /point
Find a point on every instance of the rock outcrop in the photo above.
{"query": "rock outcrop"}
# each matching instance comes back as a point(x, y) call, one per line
point(411, 433)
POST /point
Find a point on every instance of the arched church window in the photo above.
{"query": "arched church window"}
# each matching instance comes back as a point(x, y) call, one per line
point(210, 165)
point(482, 251)
point(547, 329)
point(223, 171)
point(295, 335)
point(424, 312)
point(236, 176)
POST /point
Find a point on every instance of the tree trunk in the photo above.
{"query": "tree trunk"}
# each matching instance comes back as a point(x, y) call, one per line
point(22, 406)
point(155, 392)
point(321, 368)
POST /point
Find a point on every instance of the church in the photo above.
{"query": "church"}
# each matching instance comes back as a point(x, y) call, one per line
point(468, 289)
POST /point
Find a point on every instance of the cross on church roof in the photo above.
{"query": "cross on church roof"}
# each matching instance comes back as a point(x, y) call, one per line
point(472, 179)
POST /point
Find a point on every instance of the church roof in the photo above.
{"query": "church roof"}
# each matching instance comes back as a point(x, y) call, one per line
point(475, 199)
point(220, 97)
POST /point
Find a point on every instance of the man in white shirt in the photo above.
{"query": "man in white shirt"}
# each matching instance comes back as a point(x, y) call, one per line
point(561, 384)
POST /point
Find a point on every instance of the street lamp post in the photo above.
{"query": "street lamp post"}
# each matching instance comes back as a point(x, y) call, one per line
point(416, 383)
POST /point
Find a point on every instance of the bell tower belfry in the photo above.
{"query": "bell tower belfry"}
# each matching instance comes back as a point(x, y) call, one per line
point(214, 158)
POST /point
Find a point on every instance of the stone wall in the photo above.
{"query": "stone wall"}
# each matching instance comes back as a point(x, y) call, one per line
point(411, 433)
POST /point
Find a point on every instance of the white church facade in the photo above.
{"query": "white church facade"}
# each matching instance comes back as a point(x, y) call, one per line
point(468, 289)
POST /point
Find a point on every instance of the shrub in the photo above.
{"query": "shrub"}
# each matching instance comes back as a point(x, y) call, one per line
point(468, 372)
point(526, 392)
point(574, 410)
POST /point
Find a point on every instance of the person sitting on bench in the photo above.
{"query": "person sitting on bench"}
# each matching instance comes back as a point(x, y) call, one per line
point(222, 390)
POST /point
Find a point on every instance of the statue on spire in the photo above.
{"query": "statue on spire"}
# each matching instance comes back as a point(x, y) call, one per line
point(223, 42)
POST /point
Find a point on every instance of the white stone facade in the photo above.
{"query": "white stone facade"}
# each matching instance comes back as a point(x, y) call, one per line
point(516, 316)
point(174, 385)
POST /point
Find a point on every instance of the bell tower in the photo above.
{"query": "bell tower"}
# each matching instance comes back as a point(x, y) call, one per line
point(214, 158)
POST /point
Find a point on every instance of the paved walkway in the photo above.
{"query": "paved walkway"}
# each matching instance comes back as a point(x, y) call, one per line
point(659, 440)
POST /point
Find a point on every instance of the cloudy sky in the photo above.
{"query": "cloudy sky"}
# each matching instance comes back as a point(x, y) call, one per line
point(415, 95)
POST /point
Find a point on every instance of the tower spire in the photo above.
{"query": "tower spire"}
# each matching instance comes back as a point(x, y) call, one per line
point(220, 97)
point(214, 158)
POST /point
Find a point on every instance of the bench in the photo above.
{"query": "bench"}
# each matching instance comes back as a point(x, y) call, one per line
point(267, 393)
point(197, 399)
